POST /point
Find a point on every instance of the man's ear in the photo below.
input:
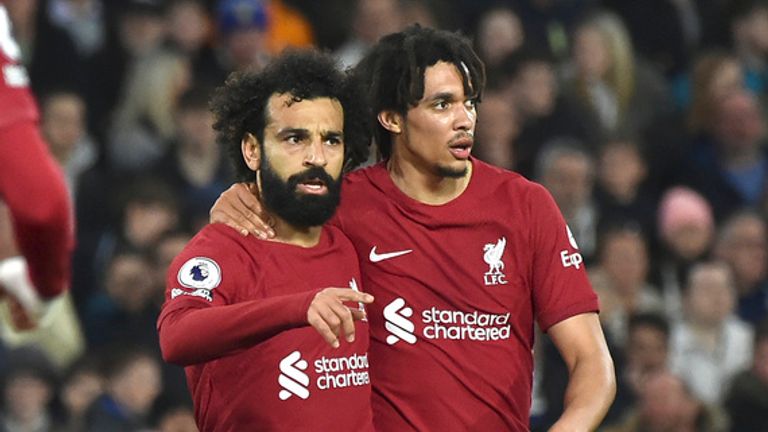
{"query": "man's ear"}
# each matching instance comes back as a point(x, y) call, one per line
point(391, 121)
point(251, 150)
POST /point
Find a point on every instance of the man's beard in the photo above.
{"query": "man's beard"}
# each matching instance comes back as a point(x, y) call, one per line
point(447, 172)
point(296, 208)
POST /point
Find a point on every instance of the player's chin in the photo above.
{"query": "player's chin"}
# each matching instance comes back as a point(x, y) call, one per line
point(455, 169)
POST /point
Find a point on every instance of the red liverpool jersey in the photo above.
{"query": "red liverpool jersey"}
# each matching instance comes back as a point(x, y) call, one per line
point(458, 288)
point(16, 102)
point(235, 315)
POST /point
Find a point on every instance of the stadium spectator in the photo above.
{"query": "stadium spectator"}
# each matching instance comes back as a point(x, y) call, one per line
point(63, 123)
point(605, 80)
point(686, 234)
point(620, 278)
point(645, 353)
point(566, 169)
point(372, 20)
point(747, 399)
point(742, 243)
point(528, 80)
point(132, 383)
point(622, 194)
point(29, 387)
point(665, 404)
point(710, 344)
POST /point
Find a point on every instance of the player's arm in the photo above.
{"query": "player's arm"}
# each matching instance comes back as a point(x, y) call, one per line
point(239, 208)
point(592, 384)
point(199, 332)
point(33, 187)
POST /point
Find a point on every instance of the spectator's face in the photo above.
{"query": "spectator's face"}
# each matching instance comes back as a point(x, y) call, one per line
point(63, 123)
point(591, 53)
point(195, 130)
point(665, 406)
point(437, 134)
point(757, 29)
point(26, 397)
point(497, 129)
point(137, 386)
point(625, 260)
point(141, 33)
point(689, 241)
point(710, 297)
point(129, 282)
point(79, 391)
point(500, 34)
point(569, 180)
point(146, 222)
point(535, 89)
point(728, 78)
point(376, 18)
point(739, 124)
point(746, 250)
point(247, 49)
point(621, 171)
point(188, 25)
point(647, 349)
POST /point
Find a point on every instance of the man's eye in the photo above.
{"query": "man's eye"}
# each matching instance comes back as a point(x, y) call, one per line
point(333, 141)
point(471, 103)
point(441, 105)
point(293, 139)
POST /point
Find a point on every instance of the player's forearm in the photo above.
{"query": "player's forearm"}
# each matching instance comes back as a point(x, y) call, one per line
point(590, 392)
point(195, 335)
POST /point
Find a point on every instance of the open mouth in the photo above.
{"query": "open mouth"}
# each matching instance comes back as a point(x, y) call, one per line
point(313, 186)
point(461, 147)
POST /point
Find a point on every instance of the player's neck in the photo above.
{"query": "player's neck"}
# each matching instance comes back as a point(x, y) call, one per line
point(424, 184)
point(299, 236)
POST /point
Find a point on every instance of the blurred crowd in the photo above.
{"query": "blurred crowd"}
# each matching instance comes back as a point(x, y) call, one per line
point(646, 120)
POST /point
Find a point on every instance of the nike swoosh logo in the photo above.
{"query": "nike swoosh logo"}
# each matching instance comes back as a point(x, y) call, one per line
point(375, 257)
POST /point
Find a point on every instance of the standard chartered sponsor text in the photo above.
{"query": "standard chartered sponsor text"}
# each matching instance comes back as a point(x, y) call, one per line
point(341, 372)
point(458, 325)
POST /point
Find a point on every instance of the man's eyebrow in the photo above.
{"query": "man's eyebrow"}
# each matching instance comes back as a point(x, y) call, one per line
point(333, 134)
point(282, 133)
point(449, 96)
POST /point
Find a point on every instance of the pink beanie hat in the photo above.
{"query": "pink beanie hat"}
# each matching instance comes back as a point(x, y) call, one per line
point(682, 206)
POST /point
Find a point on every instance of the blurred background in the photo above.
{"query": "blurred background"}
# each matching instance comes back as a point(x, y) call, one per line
point(646, 120)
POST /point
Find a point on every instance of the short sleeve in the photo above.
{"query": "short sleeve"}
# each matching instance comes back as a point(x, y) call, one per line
point(561, 288)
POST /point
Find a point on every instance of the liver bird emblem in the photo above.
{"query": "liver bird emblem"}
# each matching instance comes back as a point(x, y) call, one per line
point(493, 253)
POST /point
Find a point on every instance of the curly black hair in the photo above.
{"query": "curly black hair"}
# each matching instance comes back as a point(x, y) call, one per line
point(239, 106)
point(392, 72)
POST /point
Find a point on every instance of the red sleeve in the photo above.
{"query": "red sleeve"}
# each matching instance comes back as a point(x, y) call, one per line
point(198, 333)
point(204, 317)
point(32, 185)
point(561, 288)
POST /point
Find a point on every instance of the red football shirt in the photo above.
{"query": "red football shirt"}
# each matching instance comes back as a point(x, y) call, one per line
point(458, 287)
point(235, 315)
point(16, 102)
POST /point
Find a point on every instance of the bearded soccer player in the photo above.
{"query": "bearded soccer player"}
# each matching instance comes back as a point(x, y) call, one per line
point(463, 257)
point(32, 185)
point(259, 323)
